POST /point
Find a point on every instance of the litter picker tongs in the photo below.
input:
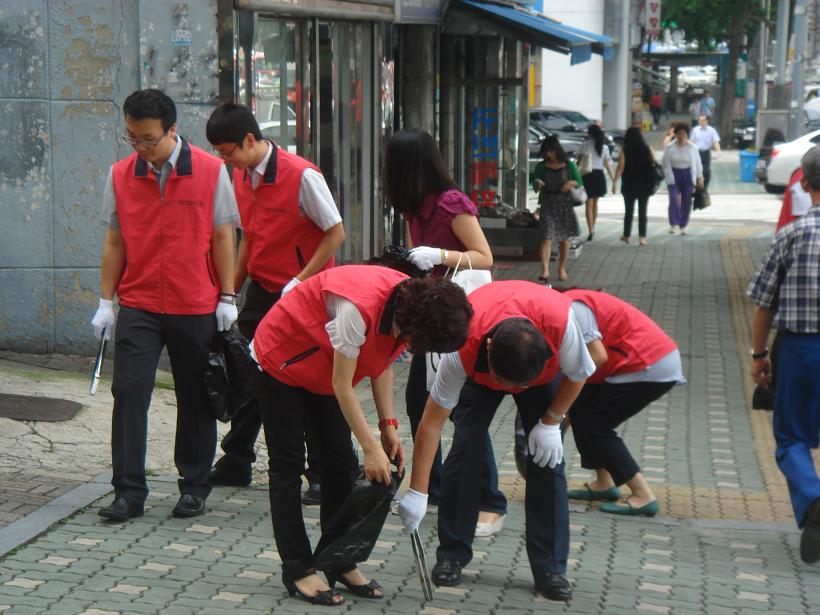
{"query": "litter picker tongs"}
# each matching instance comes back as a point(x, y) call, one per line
point(421, 565)
point(95, 377)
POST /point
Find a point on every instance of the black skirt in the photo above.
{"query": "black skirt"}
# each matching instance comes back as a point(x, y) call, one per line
point(595, 184)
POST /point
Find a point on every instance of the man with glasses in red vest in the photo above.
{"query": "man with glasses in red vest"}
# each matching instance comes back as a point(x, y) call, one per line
point(523, 340)
point(168, 256)
point(291, 228)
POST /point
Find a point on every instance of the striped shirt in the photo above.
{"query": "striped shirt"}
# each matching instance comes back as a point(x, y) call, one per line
point(788, 281)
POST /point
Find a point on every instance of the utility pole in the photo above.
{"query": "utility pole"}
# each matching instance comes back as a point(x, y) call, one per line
point(763, 39)
point(778, 98)
point(798, 70)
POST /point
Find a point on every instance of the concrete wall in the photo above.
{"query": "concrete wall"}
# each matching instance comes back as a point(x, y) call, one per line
point(65, 69)
point(586, 93)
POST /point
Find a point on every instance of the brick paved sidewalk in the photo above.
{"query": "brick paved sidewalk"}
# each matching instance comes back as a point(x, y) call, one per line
point(725, 541)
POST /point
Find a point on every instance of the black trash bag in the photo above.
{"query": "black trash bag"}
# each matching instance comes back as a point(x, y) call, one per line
point(763, 399)
point(230, 378)
point(701, 199)
point(398, 258)
point(359, 522)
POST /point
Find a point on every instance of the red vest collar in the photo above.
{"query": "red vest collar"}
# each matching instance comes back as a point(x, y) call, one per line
point(270, 170)
point(183, 165)
point(389, 313)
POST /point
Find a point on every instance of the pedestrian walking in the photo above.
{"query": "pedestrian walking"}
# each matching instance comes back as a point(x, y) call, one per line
point(707, 105)
point(291, 228)
point(656, 108)
point(552, 179)
point(636, 168)
point(316, 343)
point(444, 228)
point(785, 292)
point(523, 340)
point(706, 139)
point(683, 171)
point(593, 159)
point(694, 110)
point(637, 363)
point(168, 256)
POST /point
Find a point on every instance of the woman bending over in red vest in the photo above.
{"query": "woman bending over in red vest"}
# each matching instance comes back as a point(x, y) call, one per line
point(314, 346)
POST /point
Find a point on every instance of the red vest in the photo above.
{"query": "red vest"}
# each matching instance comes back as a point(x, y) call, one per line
point(168, 266)
point(547, 309)
point(291, 342)
point(786, 214)
point(633, 341)
point(280, 239)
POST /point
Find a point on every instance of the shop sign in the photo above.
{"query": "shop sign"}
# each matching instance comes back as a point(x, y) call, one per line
point(484, 149)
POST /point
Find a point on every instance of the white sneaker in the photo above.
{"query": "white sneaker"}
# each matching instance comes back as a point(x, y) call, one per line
point(488, 529)
point(683, 231)
point(673, 229)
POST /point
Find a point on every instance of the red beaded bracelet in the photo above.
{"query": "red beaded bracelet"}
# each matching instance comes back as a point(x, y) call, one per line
point(385, 422)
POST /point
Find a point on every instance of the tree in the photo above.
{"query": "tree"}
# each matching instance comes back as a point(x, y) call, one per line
point(721, 21)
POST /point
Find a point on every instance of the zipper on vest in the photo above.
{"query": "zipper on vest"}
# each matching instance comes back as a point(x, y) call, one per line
point(300, 258)
point(299, 357)
point(618, 350)
point(208, 269)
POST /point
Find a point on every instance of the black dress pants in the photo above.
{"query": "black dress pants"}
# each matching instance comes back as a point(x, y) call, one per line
point(597, 411)
point(238, 444)
point(706, 161)
point(545, 502)
point(140, 337)
point(284, 410)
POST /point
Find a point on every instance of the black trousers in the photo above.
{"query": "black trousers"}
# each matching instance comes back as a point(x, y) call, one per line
point(238, 444)
point(284, 410)
point(706, 161)
point(140, 338)
point(545, 502)
point(597, 411)
point(629, 213)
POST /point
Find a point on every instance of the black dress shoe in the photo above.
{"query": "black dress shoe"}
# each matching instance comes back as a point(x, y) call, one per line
point(312, 495)
point(227, 476)
point(189, 505)
point(121, 510)
point(810, 538)
point(447, 573)
point(554, 586)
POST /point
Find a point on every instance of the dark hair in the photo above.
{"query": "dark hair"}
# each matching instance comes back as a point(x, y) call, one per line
point(414, 168)
point(151, 104)
point(682, 126)
point(396, 257)
point(230, 123)
point(551, 142)
point(810, 163)
point(518, 351)
point(597, 135)
point(434, 313)
point(635, 148)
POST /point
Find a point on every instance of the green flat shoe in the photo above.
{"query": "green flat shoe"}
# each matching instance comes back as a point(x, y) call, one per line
point(588, 494)
point(648, 510)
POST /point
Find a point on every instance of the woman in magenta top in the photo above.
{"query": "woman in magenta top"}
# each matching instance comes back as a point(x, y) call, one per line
point(443, 226)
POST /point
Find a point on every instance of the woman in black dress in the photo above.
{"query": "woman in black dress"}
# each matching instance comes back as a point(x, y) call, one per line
point(636, 168)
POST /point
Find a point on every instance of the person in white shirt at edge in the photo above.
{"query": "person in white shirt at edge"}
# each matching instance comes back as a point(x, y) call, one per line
point(523, 340)
point(706, 139)
point(291, 228)
point(683, 171)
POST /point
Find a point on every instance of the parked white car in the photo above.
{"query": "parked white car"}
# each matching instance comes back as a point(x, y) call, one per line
point(785, 160)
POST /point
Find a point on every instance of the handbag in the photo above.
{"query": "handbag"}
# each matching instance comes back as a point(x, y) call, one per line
point(579, 196)
point(469, 280)
point(657, 176)
point(701, 199)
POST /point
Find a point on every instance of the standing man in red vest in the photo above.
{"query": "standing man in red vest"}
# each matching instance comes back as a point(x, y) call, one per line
point(168, 256)
point(523, 340)
point(291, 228)
point(637, 364)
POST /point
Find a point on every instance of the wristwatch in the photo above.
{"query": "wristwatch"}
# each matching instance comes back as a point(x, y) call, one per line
point(760, 355)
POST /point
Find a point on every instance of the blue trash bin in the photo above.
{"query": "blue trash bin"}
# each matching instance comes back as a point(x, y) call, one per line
point(748, 162)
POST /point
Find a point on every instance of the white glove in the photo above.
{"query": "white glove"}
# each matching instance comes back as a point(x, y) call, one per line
point(289, 286)
point(104, 319)
point(412, 508)
point(545, 445)
point(425, 257)
point(226, 315)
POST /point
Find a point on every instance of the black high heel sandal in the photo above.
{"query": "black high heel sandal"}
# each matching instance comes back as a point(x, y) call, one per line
point(368, 590)
point(324, 597)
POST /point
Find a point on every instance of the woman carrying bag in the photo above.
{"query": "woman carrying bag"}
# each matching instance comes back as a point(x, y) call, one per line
point(684, 172)
point(553, 179)
point(316, 343)
point(444, 228)
point(592, 159)
point(636, 167)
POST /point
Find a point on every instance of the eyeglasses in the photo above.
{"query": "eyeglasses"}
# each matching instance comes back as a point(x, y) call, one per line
point(228, 155)
point(142, 142)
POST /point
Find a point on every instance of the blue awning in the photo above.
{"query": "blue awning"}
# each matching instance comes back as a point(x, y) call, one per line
point(542, 31)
